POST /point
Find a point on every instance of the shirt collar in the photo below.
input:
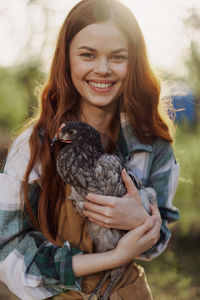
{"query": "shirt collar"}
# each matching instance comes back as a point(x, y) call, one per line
point(128, 141)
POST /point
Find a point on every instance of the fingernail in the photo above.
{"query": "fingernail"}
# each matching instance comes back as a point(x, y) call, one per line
point(124, 171)
point(88, 195)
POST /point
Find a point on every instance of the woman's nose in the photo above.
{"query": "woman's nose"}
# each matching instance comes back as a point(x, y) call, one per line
point(102, 67)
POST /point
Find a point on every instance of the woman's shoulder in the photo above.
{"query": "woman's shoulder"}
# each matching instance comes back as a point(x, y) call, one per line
point(19, 155)
point(22, 139)
point(20, 145)
point(162, 145)
point(135, 144)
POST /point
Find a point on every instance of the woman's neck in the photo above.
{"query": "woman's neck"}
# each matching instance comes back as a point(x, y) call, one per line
point(100, 119)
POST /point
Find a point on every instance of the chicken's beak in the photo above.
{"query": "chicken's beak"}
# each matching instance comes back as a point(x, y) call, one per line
point(57, 138)
point(54, 141)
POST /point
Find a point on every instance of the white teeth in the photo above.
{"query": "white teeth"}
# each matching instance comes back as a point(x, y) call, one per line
point(100, 85)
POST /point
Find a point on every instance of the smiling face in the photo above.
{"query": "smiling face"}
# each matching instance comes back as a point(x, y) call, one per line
point(98, 61)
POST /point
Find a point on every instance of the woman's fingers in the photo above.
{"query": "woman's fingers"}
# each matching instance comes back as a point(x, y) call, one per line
point(130, 186)
point(155, 212)
point(99, 213)
point(101, 199)
point(136, 241)
point(148, 235)
point(141, 230)
point(96, 208)
point(149, 239)
point(154, 209)
point(146, 226)
point(158, 221)
point(98, 218)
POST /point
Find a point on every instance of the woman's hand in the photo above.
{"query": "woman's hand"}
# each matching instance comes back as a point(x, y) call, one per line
point(137, 241)
point(158, 221)
point(123, 213)
point(131, 245)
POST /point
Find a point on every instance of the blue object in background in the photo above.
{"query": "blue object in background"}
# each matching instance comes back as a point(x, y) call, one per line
point(184, 105)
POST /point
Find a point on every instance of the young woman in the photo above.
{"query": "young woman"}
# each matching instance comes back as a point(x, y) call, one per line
point(100, 75)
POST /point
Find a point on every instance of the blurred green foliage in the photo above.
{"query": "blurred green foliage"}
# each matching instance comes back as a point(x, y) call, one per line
point(175, 275)
point(188, 195)
point(18, 87)
point(17, 93)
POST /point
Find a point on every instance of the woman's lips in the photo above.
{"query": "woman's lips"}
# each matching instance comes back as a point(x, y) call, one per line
point(102, 86)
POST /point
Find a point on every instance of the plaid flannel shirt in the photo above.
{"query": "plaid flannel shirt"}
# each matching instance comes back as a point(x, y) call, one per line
point(34, 268)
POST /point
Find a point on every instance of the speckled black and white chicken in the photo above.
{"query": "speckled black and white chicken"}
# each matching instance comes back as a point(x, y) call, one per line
point(84, 164)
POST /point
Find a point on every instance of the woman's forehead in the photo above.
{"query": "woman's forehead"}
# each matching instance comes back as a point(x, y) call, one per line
point(100, 35)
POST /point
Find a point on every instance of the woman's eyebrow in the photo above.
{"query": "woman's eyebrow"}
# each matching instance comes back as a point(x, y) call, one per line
point(87, 48)
point(94, 50)
point(120, 50)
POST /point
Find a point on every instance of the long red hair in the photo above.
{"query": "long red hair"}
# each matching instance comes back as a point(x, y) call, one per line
point(59, 102)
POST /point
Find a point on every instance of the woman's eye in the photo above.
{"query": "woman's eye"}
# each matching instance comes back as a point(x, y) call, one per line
point(119, 57)
point(87, 55)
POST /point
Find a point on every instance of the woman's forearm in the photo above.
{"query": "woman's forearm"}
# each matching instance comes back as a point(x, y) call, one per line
point(131, 245)
point(85, 264)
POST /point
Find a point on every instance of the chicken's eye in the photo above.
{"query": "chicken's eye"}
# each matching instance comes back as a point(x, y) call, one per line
point(72, 131)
